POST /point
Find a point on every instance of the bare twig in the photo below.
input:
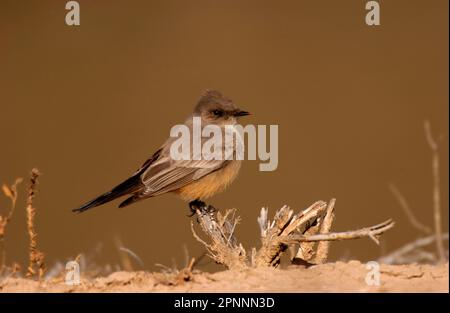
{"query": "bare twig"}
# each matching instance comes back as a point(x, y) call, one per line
point(436, 191)
point(36, 257)
point(11, 193)
point(400, 255)
point(371, 232)
point(406, 208)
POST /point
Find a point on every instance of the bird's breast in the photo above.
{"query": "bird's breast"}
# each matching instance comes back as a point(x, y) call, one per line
point(210, 184)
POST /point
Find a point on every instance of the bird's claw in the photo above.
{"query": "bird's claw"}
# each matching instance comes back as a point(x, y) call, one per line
point(202, 207)
point(196, 205)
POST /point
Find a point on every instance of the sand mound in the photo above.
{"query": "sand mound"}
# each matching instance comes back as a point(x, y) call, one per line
point(331, 277)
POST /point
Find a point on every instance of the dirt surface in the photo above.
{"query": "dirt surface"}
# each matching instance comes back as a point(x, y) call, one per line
point(332, 277)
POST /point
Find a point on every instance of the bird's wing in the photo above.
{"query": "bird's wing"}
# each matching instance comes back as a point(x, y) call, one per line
point(167, 174)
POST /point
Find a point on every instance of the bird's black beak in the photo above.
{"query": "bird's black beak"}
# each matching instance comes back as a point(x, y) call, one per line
point(241, 113)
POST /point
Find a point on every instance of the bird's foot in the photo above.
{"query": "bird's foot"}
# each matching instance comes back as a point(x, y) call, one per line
point(202, 207)
point(196, 205)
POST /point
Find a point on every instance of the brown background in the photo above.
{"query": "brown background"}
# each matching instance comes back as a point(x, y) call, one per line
point(87, 105)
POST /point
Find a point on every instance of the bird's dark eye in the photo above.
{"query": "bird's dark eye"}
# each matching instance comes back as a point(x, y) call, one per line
point(217, 112)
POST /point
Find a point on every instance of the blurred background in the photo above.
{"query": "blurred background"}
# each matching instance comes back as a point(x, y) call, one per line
point(88, 104)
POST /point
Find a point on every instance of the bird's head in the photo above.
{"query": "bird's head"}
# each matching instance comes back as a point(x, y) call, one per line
point(214, 108)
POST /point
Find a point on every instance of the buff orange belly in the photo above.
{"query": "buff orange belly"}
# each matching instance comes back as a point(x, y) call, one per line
point(211, 184)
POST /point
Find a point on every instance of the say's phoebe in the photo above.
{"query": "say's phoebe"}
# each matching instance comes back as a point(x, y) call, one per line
point(192, 180)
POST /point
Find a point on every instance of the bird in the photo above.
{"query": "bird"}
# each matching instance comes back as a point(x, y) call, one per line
point(193, 180)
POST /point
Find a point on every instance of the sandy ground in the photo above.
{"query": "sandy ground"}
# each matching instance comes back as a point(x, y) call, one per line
point(332, 277)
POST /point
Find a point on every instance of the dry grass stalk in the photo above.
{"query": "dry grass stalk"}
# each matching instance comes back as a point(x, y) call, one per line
point(224, 248)
point(436, 192)
point(133, 256)
point(125, 256)
point(36, 257)
point(11, 193)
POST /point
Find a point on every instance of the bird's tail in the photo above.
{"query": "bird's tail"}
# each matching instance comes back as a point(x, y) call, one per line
point(130, 185)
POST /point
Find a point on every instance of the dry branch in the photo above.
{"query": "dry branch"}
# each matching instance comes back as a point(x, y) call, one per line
point(436, 191)
point(286, 229)
point(285, 223)
point(372, 232)
point(224, 248)
point(36, 257)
